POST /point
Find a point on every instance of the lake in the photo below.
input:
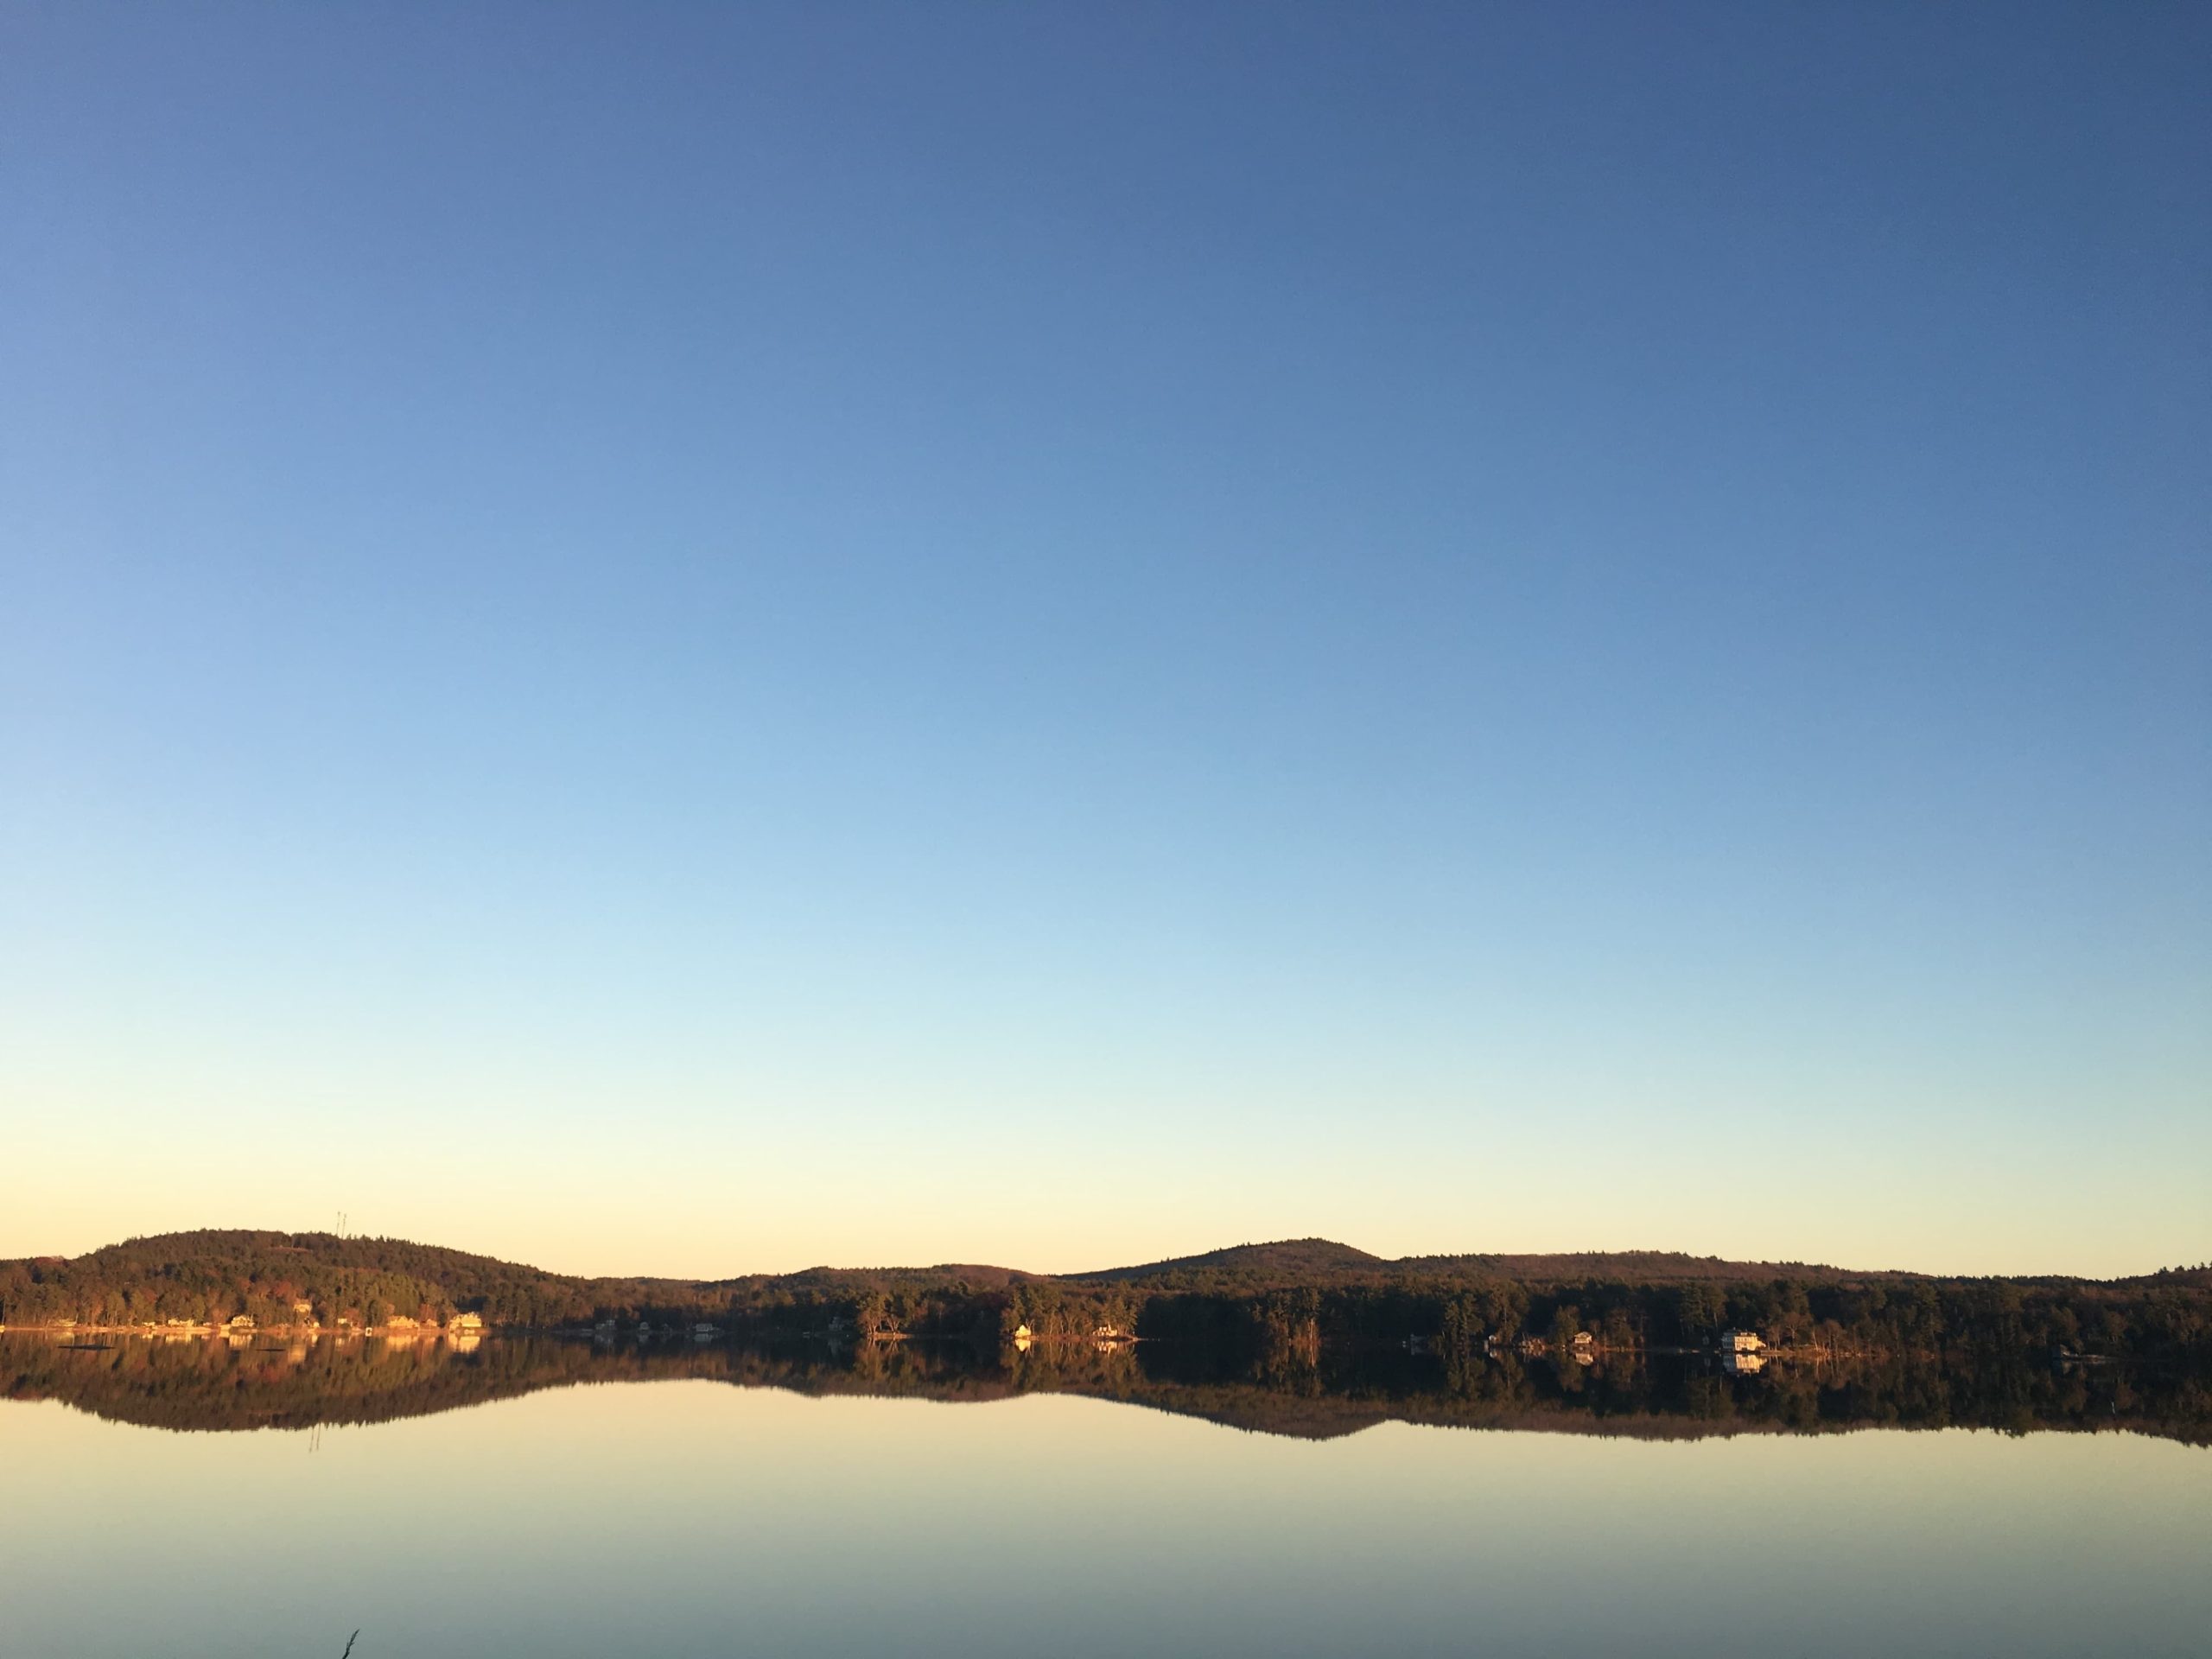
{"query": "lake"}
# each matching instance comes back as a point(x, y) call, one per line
point(543, 1498)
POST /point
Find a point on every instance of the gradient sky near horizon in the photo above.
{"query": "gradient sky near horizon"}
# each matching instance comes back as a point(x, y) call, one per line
point(708, 638)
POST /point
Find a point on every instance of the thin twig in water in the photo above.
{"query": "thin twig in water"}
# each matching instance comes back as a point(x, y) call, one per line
point(350, 1641)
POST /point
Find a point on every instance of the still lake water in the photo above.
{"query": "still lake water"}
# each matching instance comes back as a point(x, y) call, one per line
point(708, 1514)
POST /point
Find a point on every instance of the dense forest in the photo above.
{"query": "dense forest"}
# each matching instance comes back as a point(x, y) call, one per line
point(1252, 1301)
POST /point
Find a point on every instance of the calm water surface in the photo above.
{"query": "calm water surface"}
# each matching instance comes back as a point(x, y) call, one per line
point(689, 1516)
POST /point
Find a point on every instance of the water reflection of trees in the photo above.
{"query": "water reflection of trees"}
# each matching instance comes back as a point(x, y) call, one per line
point(1288, 1386)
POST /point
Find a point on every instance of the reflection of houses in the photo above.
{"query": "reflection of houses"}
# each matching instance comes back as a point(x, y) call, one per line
point(1739, 1353)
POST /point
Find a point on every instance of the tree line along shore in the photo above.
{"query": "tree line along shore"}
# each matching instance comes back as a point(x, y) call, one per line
point(1298, 1295)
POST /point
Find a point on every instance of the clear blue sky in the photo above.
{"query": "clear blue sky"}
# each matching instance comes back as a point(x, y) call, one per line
point(701, 639)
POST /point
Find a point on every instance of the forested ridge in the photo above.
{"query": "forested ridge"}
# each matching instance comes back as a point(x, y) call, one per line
point(1298, 1294)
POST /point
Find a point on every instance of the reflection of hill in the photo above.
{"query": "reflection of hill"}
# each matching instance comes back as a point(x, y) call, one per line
point(1667, 1398)
point(213, 1385)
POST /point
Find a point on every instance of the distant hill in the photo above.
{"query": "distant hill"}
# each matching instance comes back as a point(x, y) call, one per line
point(2196, 1278)
point(1325, 1261)
point(217, 1273)
point(226, 1249)
point(1639, 1267)
point(1303, 1260)
point(277, 1279)
point(228, 1253)
point(273, 1280)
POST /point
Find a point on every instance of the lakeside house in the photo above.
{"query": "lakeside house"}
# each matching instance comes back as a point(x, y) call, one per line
point(465, 1322)
point(1740, 1342)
